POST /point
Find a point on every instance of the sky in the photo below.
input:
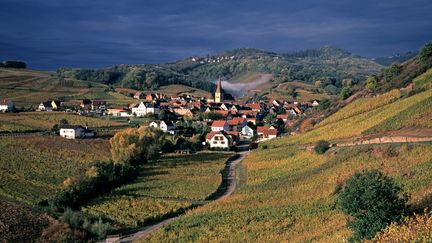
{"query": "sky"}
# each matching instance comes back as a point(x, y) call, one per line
point(48, 34)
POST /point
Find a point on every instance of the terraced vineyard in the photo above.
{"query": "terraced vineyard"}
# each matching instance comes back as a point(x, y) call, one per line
point(290, 192)
point(34, 168)
point(29, 88)
point(171, 184)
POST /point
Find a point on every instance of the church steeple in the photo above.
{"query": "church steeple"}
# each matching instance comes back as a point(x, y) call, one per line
point(219, 93)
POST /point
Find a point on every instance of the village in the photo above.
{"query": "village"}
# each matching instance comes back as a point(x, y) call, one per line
point(224, 121)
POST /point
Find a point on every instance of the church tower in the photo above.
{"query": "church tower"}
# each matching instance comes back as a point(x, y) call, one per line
point(219, 93)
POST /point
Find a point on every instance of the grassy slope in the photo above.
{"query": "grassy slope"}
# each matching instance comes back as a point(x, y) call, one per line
point(29, 87)
point(33, 168)
point(290, 192)
point(173, 183)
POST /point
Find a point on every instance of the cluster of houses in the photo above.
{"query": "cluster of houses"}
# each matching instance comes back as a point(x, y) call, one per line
point(229, 121)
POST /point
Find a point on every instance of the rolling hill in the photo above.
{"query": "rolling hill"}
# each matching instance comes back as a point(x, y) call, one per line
point(329, 64)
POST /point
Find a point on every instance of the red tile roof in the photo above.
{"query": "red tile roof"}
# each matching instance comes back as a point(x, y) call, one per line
point(218, 123)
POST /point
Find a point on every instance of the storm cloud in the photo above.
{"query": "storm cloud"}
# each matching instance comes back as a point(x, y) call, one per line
point(51, 34)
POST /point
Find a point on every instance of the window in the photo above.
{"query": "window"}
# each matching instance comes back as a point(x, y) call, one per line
point(223, 142)
point(214, 142)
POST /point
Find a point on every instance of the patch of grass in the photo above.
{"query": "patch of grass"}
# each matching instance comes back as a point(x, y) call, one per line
point(424, 81)
point(171, 184)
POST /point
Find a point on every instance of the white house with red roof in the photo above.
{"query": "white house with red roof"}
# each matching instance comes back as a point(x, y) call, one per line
point(237, 123)
point(220, 125)
point(267, 132)
point(219, 139)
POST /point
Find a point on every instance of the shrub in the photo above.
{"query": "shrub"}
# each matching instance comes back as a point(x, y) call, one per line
point(373, 201)
point(345, 93)
point(322, 146)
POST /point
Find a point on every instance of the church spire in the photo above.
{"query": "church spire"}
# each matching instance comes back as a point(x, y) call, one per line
point(219, 94)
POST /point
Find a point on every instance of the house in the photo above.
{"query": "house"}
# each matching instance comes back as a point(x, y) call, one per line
point(49, 105)
point(267, 132)
point(121, 112)
point(247, 132)
point(315, 103)
point(165, 126)
point(237, 123)
point(252, 120)
point(151, 97)
point(98, 105)
point(45, 106)
point(283, 117)
point(139, 110)
point(153, 108)
point(183, 112)
point(139, 95)
point(168, 127)
point(219, 139)
point(86, 104)
point(75, 131)
point(6, 105)
point(220, 125)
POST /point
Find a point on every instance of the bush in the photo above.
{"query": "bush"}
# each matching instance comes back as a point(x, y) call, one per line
point(345, 93)
point(321, 146)
point(373, 201)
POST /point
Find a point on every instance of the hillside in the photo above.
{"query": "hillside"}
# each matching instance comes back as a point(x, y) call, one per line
point(30, 88)
point(289, 192)
point(329, 64)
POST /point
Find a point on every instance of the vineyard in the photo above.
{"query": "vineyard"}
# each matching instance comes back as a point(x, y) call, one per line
point(290, 192)
point(16, 218)
point(29, 121)
point(171, 184)
point(416, 116)
point(34, 168)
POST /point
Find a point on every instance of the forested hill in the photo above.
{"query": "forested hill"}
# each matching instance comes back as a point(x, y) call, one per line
point(329, 64)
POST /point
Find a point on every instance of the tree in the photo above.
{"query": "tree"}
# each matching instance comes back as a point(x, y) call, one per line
point(371, 83)
point(373, 201)
point(425, 54)
point(391, 72)
point(14, 64)
point(321, 146)
point(345, 92)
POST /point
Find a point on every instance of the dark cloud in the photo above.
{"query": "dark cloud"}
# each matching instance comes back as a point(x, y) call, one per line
point(50, 34)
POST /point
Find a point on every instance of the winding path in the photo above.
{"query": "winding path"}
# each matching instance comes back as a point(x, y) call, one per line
point(228, 178)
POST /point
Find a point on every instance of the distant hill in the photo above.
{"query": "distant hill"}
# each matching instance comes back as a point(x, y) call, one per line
point(398, 58)
point(329, 64)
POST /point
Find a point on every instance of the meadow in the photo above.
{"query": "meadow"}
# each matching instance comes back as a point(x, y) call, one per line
point(30, 121)
point(34, 168)
point(290, 192)
point(166, 186)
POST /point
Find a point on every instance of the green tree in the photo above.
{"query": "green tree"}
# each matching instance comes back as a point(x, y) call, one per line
point(321, 146)
point(425, 54)
point(373, 200)
point(345, 92)
point(391, 72)
point(371, 83)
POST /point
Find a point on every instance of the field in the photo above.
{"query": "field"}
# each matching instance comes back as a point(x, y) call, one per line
point(34, 168)
point(290, 192)
point(28, 121)
point(173, 183)
point(29, 88)
point(304, 92)
point(178, 89)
